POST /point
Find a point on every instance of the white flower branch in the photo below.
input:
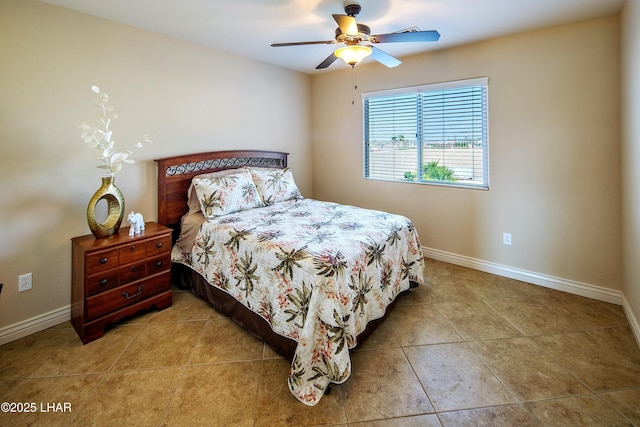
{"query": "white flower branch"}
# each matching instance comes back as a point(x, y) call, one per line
point(101, 139)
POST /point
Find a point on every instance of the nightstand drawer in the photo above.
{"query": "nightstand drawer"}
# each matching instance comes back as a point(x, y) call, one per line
point(102, 282)
point(132, 252)
point(159, 246)
point(159, 264)
point(131, 272)
point(124, 296)
point(101, 261)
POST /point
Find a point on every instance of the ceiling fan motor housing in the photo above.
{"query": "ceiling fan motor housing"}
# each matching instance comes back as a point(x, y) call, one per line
point(363, 34)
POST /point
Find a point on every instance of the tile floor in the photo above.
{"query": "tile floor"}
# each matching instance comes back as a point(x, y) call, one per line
point(467, 348)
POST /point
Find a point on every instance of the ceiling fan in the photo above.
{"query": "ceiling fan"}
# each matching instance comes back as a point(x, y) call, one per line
point(352, 34)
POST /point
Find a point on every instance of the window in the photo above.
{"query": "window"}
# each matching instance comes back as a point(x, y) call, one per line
point(433, 134)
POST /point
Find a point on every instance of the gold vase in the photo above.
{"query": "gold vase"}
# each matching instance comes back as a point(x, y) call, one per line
point(115, 202)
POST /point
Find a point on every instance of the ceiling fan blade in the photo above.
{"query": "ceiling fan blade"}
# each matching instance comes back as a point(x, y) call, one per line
point(384, 58)
point(303, 43)
point(412, 36)
point(347, 24)
point(327, 62)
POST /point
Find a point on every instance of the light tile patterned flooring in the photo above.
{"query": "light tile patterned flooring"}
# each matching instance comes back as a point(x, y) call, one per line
point(467, 348)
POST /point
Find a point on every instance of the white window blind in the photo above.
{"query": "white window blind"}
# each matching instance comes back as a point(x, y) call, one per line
point(432, 134)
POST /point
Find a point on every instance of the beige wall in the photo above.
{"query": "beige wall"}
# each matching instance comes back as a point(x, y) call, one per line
point(189, 98)
point(554, 126)
point(631, 158)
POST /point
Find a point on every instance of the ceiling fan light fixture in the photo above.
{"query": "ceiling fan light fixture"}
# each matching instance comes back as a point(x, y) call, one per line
point(353, 55)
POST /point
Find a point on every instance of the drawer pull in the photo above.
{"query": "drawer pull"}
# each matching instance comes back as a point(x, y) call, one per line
point(159, 245)
point(133, 248)
point(103, 282)
point(104, 260)
point(127, 296)
point(132, 269)
point(158, 263)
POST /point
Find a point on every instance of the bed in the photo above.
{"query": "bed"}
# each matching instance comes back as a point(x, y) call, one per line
point(310, 278)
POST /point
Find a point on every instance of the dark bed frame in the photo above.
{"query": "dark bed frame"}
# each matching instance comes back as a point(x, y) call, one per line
point(174, 177)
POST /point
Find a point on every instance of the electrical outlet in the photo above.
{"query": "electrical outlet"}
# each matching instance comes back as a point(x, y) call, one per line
point(24, 282)
point(506, 239)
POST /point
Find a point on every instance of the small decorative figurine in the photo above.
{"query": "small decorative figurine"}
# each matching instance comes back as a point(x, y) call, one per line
point(137, 223)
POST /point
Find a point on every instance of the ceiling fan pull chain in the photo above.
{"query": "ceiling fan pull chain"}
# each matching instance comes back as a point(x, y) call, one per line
point(355, 85)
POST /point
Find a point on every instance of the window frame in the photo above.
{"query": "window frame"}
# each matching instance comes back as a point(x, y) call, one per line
point(420, 139)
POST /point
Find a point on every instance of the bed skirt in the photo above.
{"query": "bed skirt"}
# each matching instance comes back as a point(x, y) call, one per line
point(185, 278)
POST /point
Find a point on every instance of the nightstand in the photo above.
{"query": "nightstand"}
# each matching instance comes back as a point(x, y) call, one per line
point(117, 277)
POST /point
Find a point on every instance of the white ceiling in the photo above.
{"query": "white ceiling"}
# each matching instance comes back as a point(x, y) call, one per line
point(248, 27)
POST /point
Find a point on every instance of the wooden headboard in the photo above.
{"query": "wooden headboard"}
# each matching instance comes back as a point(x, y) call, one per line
point(175, 174)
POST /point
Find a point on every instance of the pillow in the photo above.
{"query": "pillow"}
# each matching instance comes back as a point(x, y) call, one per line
point(275, 185)
point(227, 194)
point(189, 228)
point(192, 197)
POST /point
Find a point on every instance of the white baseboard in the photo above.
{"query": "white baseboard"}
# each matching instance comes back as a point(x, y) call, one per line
point(35, 324)
point(571, 286)
point(633, 320)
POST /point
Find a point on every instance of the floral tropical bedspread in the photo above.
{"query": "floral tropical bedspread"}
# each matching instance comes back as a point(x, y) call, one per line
point(318, 272)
